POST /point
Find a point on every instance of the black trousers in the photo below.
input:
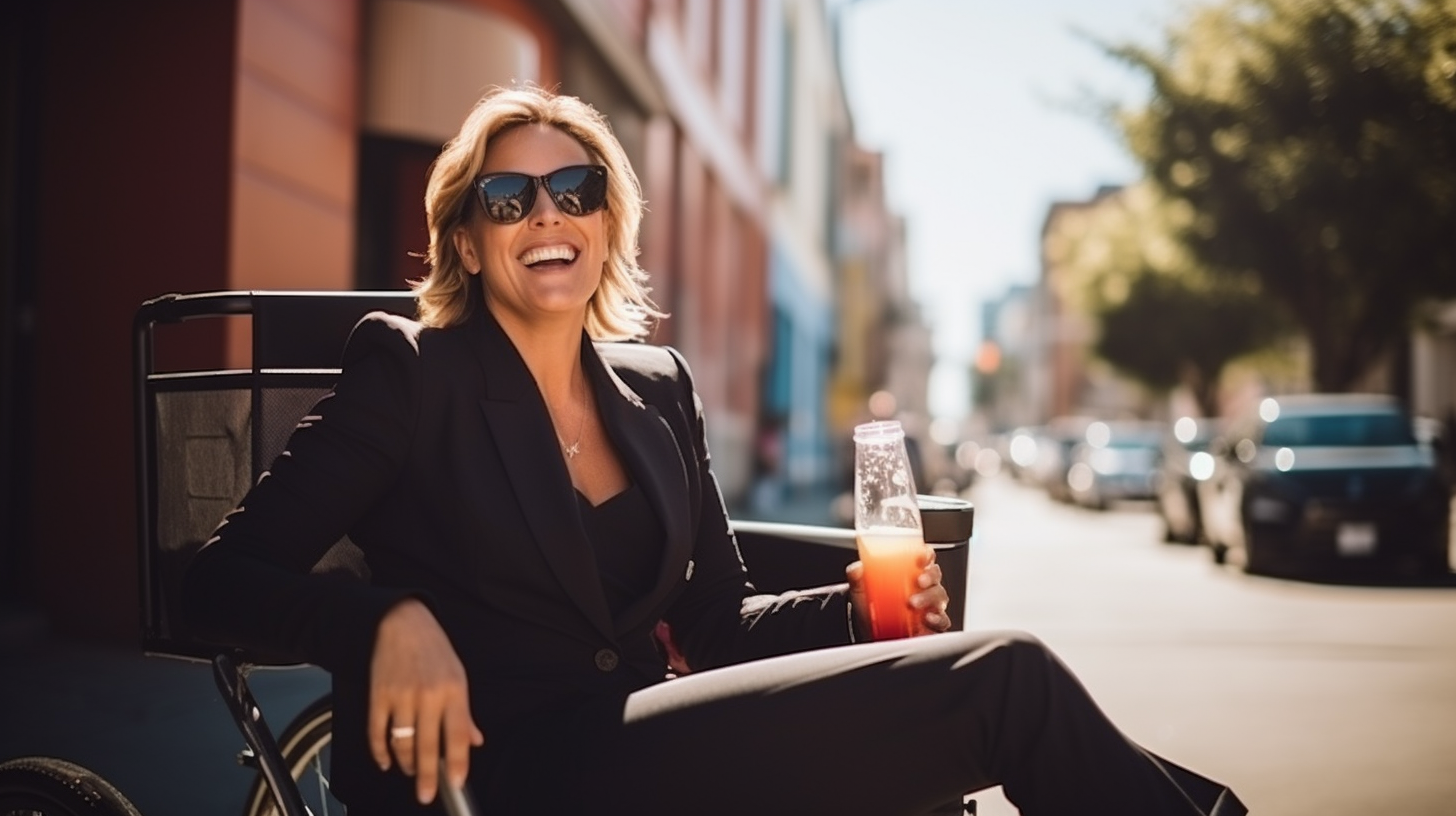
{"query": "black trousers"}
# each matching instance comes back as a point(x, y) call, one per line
point(897, 728)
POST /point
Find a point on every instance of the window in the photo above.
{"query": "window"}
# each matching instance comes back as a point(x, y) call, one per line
point(1341, 430)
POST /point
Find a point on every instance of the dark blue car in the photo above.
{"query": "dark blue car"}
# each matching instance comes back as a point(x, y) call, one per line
point(1334, 483)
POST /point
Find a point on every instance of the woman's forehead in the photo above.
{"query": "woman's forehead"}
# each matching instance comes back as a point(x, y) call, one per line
point(533, 148)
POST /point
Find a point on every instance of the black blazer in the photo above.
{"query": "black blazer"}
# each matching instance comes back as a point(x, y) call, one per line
point(436, 455)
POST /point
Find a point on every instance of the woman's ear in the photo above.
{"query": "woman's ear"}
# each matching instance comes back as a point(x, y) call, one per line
point(466, 249)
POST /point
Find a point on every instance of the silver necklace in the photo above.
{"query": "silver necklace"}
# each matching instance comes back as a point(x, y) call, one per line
point(574, 448)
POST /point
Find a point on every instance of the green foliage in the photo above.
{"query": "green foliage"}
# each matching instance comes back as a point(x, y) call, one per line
point(1314, 144)
point(1161, 318)
point(1167, 333)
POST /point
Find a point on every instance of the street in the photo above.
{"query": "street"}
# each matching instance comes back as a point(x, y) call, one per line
point(1304, 698)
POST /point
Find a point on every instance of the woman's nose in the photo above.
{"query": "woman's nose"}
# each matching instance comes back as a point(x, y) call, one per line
point(543, 209)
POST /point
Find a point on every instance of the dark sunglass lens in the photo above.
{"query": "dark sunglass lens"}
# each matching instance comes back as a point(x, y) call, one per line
point(578, 190)
point(507, 197)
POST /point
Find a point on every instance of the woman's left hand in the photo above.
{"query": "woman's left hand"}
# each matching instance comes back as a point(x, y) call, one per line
point(929, 601)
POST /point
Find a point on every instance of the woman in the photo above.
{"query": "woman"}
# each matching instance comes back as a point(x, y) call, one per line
point(534, 499)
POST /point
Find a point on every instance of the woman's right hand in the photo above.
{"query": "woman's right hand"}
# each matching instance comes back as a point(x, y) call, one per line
point(419, 706)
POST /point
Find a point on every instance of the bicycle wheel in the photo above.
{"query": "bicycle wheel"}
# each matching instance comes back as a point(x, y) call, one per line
point(306, 745)
point(45, 786)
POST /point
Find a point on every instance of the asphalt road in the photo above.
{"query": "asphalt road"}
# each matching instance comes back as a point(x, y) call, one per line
point(1336, 700)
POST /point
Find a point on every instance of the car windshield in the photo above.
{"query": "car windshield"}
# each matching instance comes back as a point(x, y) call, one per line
point(1342, 430)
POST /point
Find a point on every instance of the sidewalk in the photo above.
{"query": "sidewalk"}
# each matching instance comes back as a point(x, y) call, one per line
point(154, 727)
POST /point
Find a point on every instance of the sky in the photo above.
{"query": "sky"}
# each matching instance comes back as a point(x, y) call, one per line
point(980, 109)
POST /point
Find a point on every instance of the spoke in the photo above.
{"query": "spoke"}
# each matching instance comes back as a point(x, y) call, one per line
point(323, 783)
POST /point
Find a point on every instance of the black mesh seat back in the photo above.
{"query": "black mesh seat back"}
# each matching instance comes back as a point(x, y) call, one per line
point(203, 466)
point(206, 436)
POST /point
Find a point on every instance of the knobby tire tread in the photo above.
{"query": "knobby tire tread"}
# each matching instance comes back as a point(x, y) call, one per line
point(56, 787)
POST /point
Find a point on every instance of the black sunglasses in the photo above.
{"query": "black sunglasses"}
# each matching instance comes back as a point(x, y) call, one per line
point(580, 189)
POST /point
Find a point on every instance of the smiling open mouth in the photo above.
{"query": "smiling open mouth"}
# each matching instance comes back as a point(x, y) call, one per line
point(558, 255)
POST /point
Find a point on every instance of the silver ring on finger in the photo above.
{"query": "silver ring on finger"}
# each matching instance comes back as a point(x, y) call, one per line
point(400, 732)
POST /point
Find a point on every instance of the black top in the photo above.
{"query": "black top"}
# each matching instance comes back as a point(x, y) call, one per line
point(628, 540)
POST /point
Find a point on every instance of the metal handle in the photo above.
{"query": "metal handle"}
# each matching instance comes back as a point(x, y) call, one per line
point(458, 801)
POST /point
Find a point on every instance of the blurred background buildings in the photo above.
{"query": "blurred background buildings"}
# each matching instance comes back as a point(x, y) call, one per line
point(1037, 361)
point(171, 146)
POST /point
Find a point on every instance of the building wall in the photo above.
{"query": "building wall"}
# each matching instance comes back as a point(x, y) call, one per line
point(136, 162)
point(295, 150)
point(426, 62)
point(882, 342)
point(818, 120)
point(661, 228)
point(713, 283)
point(861, 252)
point(1005, 379)
point(802, 119)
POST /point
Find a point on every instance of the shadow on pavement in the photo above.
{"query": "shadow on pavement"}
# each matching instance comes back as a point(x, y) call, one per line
point(1447, 581)
point(156, 728)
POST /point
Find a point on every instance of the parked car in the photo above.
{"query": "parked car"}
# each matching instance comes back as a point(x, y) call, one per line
point(1185, 462)
point(1329, 482)
point(1054, 447)
point(1018, 450)
point(1117, 461)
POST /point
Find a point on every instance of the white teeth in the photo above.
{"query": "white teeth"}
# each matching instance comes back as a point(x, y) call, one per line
point(559, 252)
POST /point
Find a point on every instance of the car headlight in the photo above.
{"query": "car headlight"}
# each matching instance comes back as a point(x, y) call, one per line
point(1080, 477)
point(1105, 461)
point(1200, 466)
point(1023, 450)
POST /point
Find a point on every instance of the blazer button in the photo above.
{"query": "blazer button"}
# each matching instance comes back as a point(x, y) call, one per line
point(606, 660)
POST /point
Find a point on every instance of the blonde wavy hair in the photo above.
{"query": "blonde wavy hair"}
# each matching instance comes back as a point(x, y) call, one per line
point(620, 309)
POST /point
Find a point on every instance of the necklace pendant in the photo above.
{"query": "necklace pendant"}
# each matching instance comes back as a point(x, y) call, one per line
point(571, 450)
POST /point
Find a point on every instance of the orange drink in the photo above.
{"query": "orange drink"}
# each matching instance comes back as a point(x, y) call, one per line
point(891, 558)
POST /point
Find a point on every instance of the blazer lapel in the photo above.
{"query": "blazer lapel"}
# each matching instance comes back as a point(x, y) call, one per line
point(522, 430)
point(651, 454)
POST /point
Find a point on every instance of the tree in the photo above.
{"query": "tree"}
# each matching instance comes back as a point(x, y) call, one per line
point(1167, 333)
point(1161, 318)
point(1315, 145)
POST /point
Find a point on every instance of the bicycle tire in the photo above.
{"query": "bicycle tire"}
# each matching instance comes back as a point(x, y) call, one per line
point(46, 786)
point(305, 745)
